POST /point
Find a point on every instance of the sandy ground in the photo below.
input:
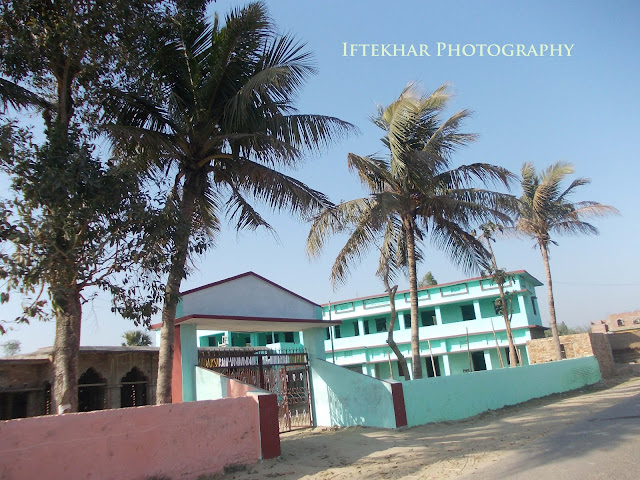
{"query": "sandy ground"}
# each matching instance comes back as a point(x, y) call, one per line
point(435, 451)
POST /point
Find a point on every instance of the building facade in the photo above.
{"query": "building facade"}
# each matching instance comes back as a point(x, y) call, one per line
point(460, 329)
point(618, 322)
point(108, 377)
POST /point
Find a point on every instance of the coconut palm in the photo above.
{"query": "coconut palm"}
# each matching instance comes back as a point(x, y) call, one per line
point(415, 194)
point(223, 124)
point(545, 209)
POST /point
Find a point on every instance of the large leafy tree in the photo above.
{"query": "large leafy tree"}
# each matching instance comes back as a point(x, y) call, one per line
point(546, 208)
point(415, 195)
point(66, 224)
point(225, 124)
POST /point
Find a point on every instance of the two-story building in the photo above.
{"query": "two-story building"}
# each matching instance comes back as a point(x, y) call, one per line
point(460, 327)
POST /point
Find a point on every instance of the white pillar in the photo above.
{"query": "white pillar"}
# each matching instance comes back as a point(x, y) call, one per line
point(445, 364)
point(438, 315)
point(487, 359)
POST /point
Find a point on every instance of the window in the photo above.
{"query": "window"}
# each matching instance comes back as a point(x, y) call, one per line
point(428, 317)
point(468, 312)
point(636, 321)
point(620, 322)
point(288, 337)
point(269, 337)
point(563, 353)
point(356, 328)
point(477, 359)
point(133, 390)
point(407, 320)
point(328, 334)
point(91, 391)
point(337, 331)
point(366, 327)
point(381, 324)
point(533, 305)
point(430, 372)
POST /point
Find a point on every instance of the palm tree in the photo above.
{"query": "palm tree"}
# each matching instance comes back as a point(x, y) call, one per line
point(136, 338)
point(499, 277)
point(414, 194)
point(224, 122)
point(545, 208)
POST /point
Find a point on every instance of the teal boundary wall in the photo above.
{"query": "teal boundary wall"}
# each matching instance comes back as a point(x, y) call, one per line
point(461, 396)
point(345, 398)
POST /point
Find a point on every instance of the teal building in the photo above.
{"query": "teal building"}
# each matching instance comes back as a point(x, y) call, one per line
point(460, 328)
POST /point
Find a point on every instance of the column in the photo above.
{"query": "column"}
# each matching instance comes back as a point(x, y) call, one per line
point(476, 309)
point(361, 326)
point(189, 355)
point(401, 321)
point(445, 364)
point(313, 341)
point(487, 359)
point(438, 315)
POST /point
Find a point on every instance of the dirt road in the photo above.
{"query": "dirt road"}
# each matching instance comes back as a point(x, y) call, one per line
point(436, 451)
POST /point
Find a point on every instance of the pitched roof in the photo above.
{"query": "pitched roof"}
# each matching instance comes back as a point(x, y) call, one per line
point(246, 274)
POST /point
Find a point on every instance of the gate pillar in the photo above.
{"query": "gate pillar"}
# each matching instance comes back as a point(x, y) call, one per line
point(313, 341)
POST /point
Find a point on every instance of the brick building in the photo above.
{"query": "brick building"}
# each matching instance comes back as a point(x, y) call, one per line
point(618, 322)
point(109, 377)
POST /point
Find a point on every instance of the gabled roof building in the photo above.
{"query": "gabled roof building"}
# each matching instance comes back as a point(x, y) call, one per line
point(460, 328)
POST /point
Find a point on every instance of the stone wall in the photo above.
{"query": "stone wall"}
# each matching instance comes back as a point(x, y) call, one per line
point(625, 346)
point(574, 346)
point(26, 379)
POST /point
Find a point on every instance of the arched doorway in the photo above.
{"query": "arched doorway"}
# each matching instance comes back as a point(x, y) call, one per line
point(91, 391)
point(133, 392)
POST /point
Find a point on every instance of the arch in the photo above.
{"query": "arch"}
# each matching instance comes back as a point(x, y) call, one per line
point(133, 392)
point(91, 391)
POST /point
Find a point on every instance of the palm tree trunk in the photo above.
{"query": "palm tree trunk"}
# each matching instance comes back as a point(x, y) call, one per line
point(172, 292)
point(402, 362)
point(552, 307)
point(66, 348)
point(413, 293)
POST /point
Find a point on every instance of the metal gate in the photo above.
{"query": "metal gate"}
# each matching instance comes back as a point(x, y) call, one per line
point(285, 373)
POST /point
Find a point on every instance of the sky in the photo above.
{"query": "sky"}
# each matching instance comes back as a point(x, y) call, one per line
point(580, 108)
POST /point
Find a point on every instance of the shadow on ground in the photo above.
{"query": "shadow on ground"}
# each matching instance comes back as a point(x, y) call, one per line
point(436, 450)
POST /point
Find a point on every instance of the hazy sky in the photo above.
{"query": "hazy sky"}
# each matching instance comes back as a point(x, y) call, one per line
point(581, 108)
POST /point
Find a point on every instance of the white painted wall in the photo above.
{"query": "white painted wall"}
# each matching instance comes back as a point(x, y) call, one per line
point(248, 296)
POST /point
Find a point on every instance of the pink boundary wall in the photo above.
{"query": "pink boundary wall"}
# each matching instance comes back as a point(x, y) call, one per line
point(179, 441)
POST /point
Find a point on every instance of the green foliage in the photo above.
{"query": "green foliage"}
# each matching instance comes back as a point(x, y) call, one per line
point(427, 280)
point(136, 338)
point(10, 348)
point(564, 329)
point(546, 207)
point(72, 222)
point(414, 187)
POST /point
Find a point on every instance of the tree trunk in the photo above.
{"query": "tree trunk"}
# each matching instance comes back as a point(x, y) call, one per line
point(172, 291)
point(552, 307)
point(66, 348)
point(402, 362)
point(413, 293)
point(513, 357)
